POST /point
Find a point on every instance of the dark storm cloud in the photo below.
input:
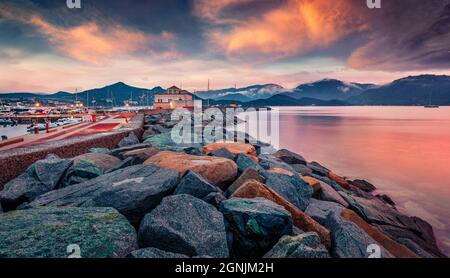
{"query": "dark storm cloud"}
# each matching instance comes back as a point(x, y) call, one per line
point(407, 35)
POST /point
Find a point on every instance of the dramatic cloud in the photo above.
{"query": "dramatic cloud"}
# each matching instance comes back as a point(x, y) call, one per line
point(295, 28)
point(93, 43)
point(44, 46)
point(416, 37)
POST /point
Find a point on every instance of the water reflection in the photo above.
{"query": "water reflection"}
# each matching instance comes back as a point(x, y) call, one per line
point(404, 151)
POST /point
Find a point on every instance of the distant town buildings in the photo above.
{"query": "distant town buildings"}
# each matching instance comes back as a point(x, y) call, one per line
point(173, 98)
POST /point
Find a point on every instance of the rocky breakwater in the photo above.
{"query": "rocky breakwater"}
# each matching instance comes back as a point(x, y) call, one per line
point(152, 198)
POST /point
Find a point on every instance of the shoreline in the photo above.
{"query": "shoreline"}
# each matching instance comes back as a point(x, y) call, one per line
point(313, 201)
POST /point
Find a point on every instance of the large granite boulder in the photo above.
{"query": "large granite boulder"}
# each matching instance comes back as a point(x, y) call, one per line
point(88, 166)
point(375, 211)
point(130, 140)
point(52, 232)
point(295, 190)
point(233, 148)
point(195, 185)
point(257, 224)
point(303, 246)
point(133, 191)
point(41, 177)
point(349, 240)
point(319, 210)
point(186, 225)
point(154, 253)
point(217, 170)
point(327, 193)
point(290, 157)
point(254, 189)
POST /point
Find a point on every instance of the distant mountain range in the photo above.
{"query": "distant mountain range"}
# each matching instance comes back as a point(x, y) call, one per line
point(412, 90)
point(118, 93)
point(243, 94)
point(329, 89)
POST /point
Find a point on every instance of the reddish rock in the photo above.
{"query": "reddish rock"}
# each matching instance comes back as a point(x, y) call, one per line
point(254, 189)
point(280, 171)
point(395, 248)
point(340, 180)
point(217, 170)
point(104, 161)
point(140, 154)
point(248, 174)
point(313, 182)
point(234, 148)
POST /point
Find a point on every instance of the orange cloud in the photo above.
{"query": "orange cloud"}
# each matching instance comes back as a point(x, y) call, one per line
point(93, 43)
point(293, 29)
point(88, 42)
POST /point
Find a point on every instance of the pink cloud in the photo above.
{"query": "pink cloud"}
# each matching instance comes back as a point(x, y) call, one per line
point(293, 29)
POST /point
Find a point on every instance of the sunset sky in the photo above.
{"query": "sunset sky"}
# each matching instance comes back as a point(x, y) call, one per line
point(47, 47)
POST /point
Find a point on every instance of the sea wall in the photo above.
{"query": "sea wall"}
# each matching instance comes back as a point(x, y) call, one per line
point(15, 161)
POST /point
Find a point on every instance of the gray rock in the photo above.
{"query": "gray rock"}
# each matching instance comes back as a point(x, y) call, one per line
point(127, 162)
point(364, 185)
point(214, 198)
point(41, 177)
point(130, 140)
point(133, 191)
point(268, 161)
point(303, 246)
point(81, 171)
point(186, 225)
point(386, 199)
point(49, 232)
point(244, 162)
point(422, 235)
point(319, 210)
point(328, 181)
point(348, 240)
point(318, 169)
point(225, 153)
point(195, 185)
point(155, 253)
point(327, 193)
point(290, 157)
point(419, 251)
point(302, 169)
point(295, 190)
point(257, 224)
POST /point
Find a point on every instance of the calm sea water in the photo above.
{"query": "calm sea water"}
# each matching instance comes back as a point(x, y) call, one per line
point(403, 151)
